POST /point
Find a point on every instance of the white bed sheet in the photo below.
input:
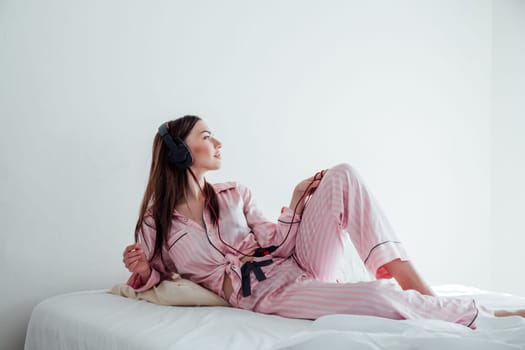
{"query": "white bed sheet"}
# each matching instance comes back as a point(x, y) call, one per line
point(99, 320)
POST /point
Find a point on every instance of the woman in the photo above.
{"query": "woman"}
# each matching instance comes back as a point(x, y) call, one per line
point(216, 236)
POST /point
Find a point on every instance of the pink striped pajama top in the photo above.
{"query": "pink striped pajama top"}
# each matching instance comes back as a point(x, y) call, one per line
point(301, 281)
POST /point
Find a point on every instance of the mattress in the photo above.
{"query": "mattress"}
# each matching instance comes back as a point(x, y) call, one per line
point(100, 320)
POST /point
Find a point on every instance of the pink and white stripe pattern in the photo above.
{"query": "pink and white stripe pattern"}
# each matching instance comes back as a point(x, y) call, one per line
point(307, 287)
point(342, 205)
point(301, 282)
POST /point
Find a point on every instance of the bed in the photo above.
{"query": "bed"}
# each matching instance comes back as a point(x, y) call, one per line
point(100, 320)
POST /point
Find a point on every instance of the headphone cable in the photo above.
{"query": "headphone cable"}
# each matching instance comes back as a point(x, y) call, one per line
point(266, 250)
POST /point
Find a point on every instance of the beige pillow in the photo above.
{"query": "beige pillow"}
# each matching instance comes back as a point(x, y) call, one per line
point(176, 292)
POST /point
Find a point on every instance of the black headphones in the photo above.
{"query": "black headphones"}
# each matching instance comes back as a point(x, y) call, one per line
point(179, 154)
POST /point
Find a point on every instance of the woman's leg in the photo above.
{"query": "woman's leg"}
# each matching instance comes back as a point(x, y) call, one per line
point(407, 276)
point(506, 313)
point(310, 299)
point(343, 205)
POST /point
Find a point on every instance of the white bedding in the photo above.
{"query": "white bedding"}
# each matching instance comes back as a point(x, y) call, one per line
point(99, 320)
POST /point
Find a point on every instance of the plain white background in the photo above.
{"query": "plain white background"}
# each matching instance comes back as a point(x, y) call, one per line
point(422, 97)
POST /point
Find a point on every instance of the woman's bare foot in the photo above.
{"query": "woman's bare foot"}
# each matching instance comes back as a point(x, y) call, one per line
point(505, 313)
point(407, 277)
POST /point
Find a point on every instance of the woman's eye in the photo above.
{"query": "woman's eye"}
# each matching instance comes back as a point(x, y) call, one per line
point(206, 137)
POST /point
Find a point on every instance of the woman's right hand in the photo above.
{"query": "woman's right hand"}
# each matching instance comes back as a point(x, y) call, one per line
point(135, 261)
point(299, 198)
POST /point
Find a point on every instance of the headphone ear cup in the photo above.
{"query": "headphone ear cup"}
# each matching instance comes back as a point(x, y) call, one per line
point(180, 155)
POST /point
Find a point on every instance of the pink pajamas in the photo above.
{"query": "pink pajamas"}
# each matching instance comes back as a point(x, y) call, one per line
point(301, 281)
point(342, 205)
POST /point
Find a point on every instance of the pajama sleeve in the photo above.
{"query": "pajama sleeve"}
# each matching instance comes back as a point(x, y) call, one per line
point(147, 236)
point(268, 233)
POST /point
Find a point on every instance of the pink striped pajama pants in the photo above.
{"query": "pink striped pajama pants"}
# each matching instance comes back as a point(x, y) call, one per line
point(306, 287)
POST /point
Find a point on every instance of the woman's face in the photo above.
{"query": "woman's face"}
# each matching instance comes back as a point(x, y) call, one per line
point(204, 147)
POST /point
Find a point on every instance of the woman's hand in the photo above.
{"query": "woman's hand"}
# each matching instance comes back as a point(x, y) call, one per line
point(299, 196)
point(136, 262)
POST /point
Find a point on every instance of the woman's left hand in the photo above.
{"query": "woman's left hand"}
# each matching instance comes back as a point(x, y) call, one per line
point(310, 184)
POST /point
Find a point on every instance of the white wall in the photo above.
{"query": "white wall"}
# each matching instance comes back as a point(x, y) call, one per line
point(401, 90)
point(508, 145)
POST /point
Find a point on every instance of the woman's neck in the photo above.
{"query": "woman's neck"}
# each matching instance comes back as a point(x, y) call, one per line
point(195, 187)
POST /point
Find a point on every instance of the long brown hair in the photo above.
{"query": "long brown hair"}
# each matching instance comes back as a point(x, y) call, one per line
point(167, 186)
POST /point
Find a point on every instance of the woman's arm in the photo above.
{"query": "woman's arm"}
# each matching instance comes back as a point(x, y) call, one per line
point(137, 258)
point(268, 233)
point(136, 261)
point(283, 233)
